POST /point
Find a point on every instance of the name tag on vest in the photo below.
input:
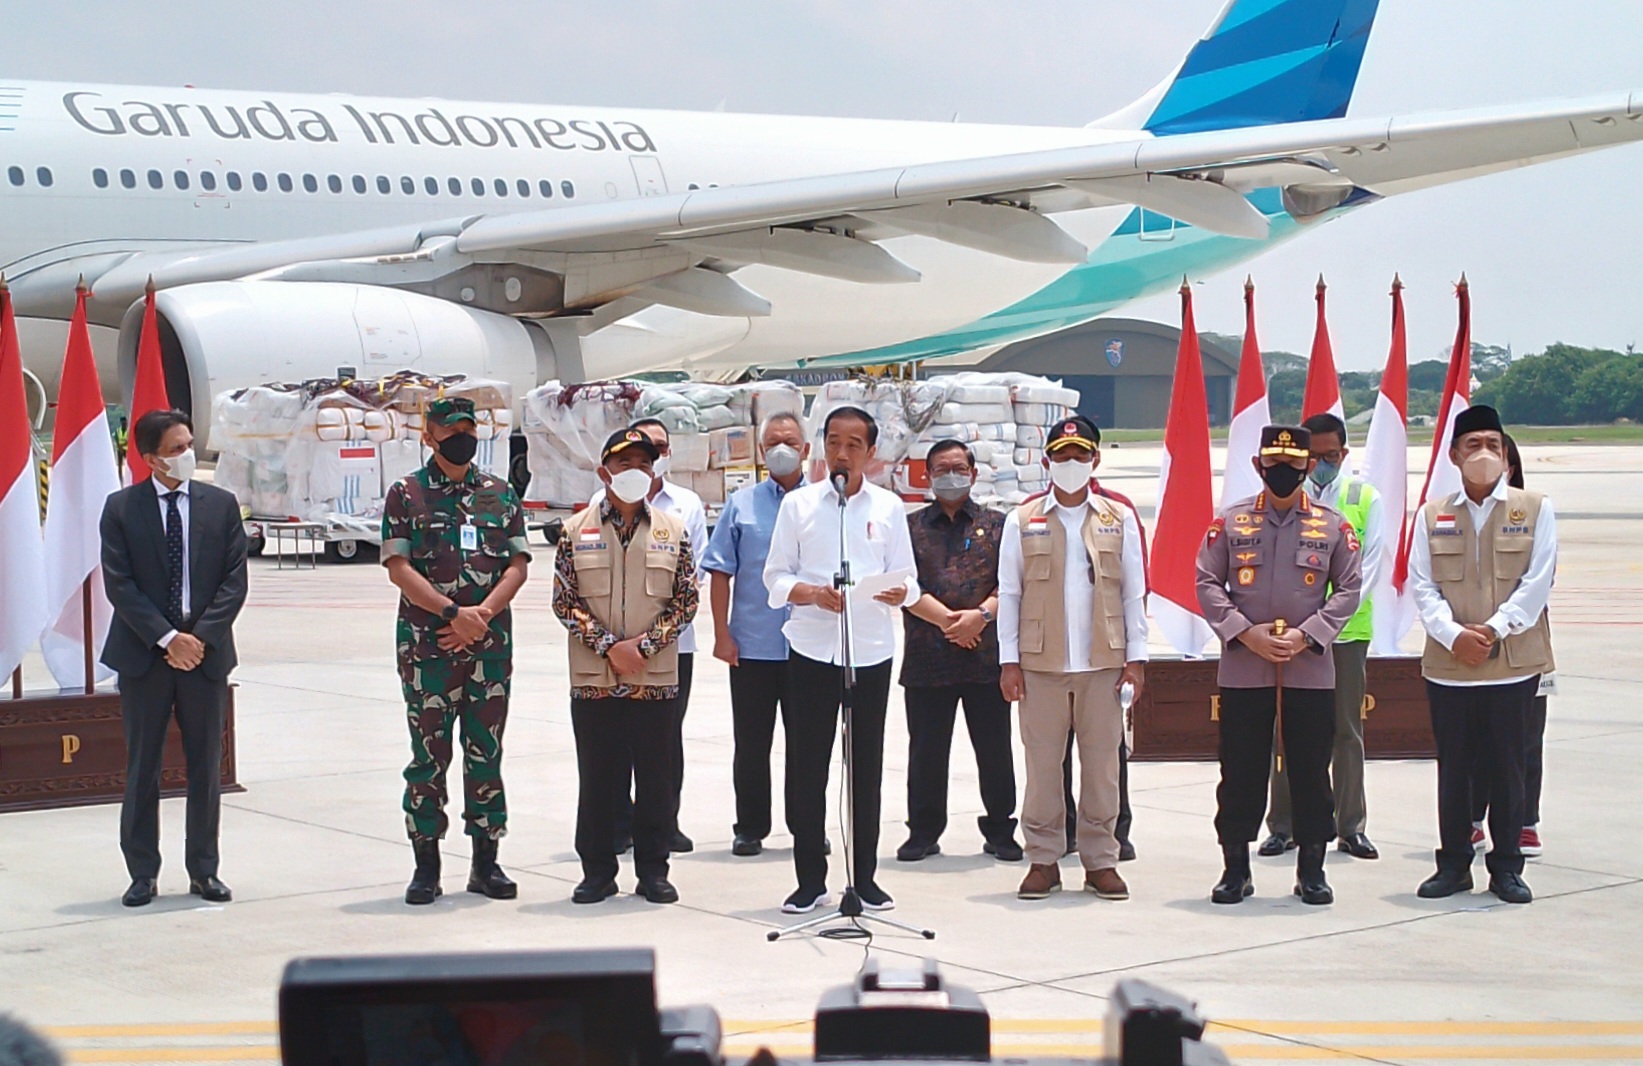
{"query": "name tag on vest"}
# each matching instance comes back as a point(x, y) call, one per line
point(590, 540)
point(663, 546)
point(1444, 526)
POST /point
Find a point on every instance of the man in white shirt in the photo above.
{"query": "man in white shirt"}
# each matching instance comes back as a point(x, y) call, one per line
point(1481, 566)
point(1072, 631)
point(687, 507)
point(800, 570)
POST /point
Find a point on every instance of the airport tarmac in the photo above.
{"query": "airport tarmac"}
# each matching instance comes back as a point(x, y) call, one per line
point(316, 853)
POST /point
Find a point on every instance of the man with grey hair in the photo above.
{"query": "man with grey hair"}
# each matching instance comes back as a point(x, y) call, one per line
point(747, 630)
point(22, 1046)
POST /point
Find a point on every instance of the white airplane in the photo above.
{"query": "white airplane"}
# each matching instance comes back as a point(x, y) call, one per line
point(290, 235)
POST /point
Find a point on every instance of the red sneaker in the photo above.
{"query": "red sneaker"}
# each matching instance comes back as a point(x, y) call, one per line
point(1529, 842)
point(1478, 843)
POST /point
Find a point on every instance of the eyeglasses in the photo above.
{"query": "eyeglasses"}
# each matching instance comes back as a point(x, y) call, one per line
point(1333, 458)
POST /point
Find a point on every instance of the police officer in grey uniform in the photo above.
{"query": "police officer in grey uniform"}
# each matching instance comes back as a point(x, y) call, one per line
point(1278, 576)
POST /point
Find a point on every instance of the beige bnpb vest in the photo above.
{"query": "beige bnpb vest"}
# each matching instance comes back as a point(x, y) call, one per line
point(625, 588)
point(1043, 602)
point(1477, 572)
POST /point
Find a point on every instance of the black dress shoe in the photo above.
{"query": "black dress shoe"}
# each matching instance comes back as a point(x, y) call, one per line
point(210, 889)
point(1444, 883)
point(827, 846)
point(141, 893)
point(1510, 887)
point(917, 851)
point(1276, 844)
point(1006, 850)
point(1126, 851)
point(680, 844)
point(1358, 846)
point(746, 846)
point(593, 890)
point(657, 890)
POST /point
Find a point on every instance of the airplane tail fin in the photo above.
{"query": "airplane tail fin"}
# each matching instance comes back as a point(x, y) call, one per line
point(1262, 62)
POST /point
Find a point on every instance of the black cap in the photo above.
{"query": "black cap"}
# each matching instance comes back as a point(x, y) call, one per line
point(1286, 442)
point(623, 439)
point(1074, 429)
point(1477, 417)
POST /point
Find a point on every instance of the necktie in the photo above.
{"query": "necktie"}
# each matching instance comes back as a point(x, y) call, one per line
point(174, 559)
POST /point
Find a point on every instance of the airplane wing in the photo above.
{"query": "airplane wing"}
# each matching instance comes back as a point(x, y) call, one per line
point(678, 249)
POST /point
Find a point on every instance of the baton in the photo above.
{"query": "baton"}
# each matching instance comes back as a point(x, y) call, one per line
point(1279, 626)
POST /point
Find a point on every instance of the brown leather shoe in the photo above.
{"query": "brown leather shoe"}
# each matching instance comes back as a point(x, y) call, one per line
point(1042, 879)
point(1106, 884)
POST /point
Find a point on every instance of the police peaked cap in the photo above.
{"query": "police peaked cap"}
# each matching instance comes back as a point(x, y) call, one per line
point(1286, 442)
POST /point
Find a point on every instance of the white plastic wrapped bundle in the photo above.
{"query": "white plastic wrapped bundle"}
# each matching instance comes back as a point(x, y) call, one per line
point(984, 413)
point(1038, 414)
point(903, 410)
point(1023, 456)
point(565, 428)
point(704, 394)
point(691, 452)
point(946, 431)
point(996, 432)
point(380, 426)
point(768, 398)
point(712, 418)
point(400, 458)
point(331, 425)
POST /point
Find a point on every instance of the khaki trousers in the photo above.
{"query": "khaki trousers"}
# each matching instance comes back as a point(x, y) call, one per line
point(1086, 704)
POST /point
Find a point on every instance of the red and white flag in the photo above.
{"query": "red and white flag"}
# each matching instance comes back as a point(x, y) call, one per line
point(1250, 413)
point(149, 392)
point(1185, 499)
point(1323, 384)
point(1442, 476)
point(83, 475)
point(22, 553)
point(1386, 467)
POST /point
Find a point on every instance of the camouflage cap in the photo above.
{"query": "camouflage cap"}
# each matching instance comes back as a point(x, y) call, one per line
point(451, 410)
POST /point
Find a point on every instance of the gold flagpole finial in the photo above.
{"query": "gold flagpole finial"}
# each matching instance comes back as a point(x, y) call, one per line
point(1462, 284)
point(1397, 281)
point(1321, 285)
point(80, 286)
point(5, 286)
point(148, 289)
point(1186, 286)
point(1249, 283)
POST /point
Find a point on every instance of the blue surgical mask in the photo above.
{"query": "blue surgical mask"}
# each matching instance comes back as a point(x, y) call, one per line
point(1324, 474)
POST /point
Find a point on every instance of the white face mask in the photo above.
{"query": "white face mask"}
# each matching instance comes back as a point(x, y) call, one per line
point(1071, 476)
point(662, 466)
point(181, 466)
point(782, 460)
point(630, 486)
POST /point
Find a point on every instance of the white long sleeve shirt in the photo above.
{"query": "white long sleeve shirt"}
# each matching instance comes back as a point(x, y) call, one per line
point(1521, 609)
point(804, 548)
point(1078, 593)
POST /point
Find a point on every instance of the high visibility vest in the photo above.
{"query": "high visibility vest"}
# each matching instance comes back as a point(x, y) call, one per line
point(1353, 503)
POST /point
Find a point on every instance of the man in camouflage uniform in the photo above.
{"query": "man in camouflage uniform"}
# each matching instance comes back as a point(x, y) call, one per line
point(453, 540)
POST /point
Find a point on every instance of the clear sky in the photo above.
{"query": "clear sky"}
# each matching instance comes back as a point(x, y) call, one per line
point(1552, 252)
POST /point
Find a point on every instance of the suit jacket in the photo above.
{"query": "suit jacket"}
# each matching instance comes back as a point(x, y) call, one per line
point(137, 577)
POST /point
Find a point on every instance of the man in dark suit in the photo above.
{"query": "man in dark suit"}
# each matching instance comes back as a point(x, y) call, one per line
point(174, 568)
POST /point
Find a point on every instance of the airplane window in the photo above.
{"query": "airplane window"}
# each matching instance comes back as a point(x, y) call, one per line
point(359, 184)
point(568, 189)
point(99, 178)
point(334, 183)
point(693, 186)
point(546, 187)
point(208, 180)
point(15, 174)
point(501, 187)
point(310, 183)
point(479, 186)
point(181, 178)
point(156, 180)
point(455, 185)
point(524, 188)
point(43, 176)
point(407, 185)
point(432, 185)
point(285, 182)
point(234, 183)
point(259, 181)
point(128, 179)
point(384, 186)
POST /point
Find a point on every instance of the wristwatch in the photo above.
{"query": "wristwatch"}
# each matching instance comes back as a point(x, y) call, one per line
point(450, 612)
point(987, 616)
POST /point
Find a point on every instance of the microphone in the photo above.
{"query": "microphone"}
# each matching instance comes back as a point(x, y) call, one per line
point(840, 480)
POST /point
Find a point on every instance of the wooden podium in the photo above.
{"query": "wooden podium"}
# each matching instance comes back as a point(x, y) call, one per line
point(1177, 715)
point(69, 750)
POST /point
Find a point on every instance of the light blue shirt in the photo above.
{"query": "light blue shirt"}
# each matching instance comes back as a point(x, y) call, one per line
point(738, 548)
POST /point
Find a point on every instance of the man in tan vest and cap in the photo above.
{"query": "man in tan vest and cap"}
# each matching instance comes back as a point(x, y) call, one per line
point(1072, 631)
point(625, 587)
point(1481, 567)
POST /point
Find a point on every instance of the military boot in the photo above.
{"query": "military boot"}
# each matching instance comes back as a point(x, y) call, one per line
point(1309, 875)
point(424, 887)
point(1236, 883)
point(486, 877)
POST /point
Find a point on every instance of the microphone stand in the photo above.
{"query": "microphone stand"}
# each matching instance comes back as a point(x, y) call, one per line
point(850, 906)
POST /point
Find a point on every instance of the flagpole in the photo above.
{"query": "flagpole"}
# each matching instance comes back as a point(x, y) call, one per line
point(85, 633)
point(17, 683)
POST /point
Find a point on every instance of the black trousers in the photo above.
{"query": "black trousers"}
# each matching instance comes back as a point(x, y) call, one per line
point(624, 787)
point(931, 713)
point(811, 717)
point(616, 738)
point(1121, 831)
point(1247, 724)
point(1480, 724)
point(147, 704)
point(1534, 769)
point(757, 692)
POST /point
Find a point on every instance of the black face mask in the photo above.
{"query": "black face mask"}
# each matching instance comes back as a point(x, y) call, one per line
point(1282, 479)
point(459, 449)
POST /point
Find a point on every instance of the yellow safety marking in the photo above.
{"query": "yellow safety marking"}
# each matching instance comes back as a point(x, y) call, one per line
point(247, 1053)
point(77, 1032)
